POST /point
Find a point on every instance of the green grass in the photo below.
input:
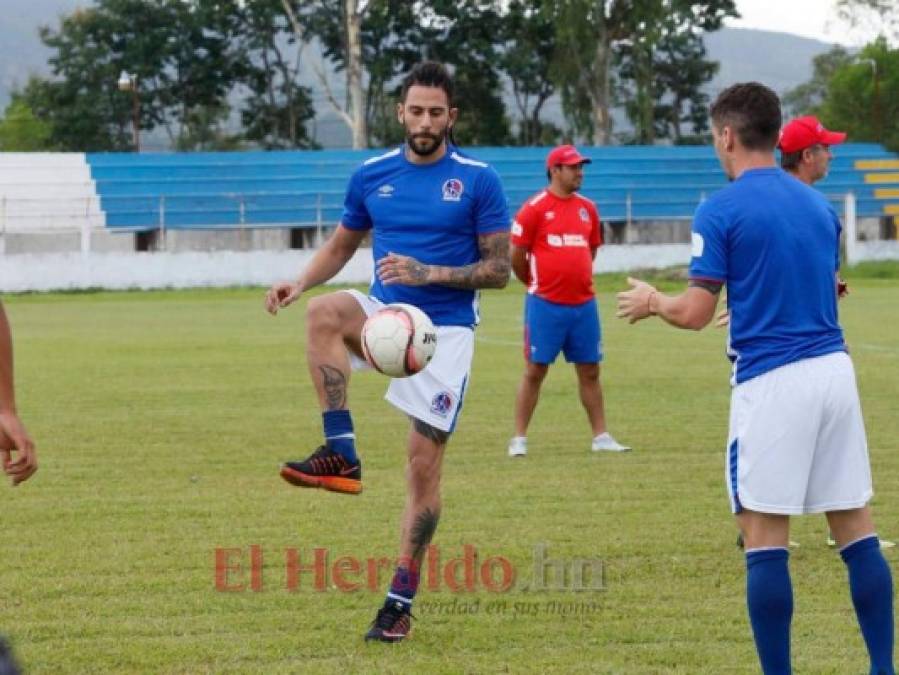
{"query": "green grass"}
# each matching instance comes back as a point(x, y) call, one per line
point(161, 418)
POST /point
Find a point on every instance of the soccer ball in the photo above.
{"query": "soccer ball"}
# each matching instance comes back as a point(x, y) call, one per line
point(399, 340)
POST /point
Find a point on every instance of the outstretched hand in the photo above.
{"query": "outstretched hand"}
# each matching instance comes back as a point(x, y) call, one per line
point(281, 295)
point(633, 305)
point(17, 454)
point(402, 269)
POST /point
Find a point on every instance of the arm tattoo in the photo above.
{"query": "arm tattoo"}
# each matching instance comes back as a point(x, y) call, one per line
point(431, 433)
point(713, 287)
point(491, 271)
point(423, 531)
point(419, 272)
point(334, 383)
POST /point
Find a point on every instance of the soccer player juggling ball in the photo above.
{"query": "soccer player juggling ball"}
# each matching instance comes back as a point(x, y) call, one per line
point(796, 442)
point(440, 231)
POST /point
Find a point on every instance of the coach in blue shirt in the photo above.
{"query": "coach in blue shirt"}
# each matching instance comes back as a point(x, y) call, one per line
point(797, 440)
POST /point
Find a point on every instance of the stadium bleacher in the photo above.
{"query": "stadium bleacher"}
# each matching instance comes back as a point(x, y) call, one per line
point(44, 191)
point(226, 190)
point(305, 188)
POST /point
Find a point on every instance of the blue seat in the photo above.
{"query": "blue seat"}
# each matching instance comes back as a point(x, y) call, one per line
point(306, 188)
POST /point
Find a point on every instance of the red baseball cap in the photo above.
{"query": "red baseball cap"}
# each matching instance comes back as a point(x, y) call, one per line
point(804, 132)
point(567, 155)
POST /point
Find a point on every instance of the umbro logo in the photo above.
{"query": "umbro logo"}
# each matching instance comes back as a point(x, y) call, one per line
point(549, 215)
point(386, 190)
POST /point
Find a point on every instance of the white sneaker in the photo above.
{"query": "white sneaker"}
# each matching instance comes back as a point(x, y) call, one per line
point(605, 442)
point(518, 446)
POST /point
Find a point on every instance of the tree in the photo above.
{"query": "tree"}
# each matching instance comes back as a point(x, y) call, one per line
point(663, 65)
point(864, 100)
point(204, 129)
point(463, 34)
point(585, 33)
point(180, 50)
point(807, 98)
point(396, 34)
point(528, 52)
point(871, 17)
point(681, 72)
point(390, 44)
point(21, 131)
point(595, 35)
point(339, 27)
point(278, 108)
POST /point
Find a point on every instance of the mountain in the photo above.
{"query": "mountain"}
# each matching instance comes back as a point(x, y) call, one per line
point(780, 60)
point(22, 53)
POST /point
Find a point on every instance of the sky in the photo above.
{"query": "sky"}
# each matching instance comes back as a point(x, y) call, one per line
point(808, 18)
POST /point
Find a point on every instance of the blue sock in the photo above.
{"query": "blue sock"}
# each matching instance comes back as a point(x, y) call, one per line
point(769, 596)
point(871, 586)
point(339, 434)
point(403, 587)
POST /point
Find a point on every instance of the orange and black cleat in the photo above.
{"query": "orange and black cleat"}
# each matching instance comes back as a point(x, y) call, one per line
point(392, 624)
point(326, 469)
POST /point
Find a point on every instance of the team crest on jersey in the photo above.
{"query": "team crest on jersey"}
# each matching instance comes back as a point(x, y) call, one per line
point(452, 190)
point(584, 215)
point(442, 403)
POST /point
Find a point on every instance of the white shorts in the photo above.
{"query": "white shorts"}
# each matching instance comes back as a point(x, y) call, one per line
point(434, 395)
point(797, 440)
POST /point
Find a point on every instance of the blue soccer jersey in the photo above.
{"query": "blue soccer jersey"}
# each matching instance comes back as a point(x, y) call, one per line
point(774, 242)
point(433, 213)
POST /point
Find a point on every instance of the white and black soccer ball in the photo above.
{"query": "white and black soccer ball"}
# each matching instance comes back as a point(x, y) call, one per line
point(399, 340)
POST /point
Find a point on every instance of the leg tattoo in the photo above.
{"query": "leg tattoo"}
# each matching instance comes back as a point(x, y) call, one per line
point(422, 532)
point(334, 383)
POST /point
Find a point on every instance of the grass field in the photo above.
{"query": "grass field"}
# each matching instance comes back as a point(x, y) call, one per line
point(161, 419)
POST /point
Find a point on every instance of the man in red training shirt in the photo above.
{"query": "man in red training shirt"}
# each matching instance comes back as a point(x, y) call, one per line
point(554, 240)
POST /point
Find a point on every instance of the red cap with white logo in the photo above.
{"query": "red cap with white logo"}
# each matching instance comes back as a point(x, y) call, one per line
point(567, 155)
point(804, 132)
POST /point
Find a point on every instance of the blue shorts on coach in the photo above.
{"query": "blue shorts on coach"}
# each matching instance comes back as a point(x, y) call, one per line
point(550, 328)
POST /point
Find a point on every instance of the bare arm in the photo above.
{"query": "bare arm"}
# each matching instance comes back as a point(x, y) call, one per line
point(520, 264)
point(7, 389)
point(693, 309)
point(13, 436)
point(327, 261)
point(491, 271)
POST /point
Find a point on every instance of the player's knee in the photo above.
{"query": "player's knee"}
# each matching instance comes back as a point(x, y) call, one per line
point(588, 373)
point(322, 315)
point(535, 373)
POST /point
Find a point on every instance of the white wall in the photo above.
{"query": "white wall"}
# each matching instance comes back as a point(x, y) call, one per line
point(68, 271)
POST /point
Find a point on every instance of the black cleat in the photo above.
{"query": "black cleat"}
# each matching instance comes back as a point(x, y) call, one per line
point(392, 623)
point(326, 469)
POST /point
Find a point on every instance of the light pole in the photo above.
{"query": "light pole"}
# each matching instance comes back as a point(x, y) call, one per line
point(128, 82)
point(875, 103)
